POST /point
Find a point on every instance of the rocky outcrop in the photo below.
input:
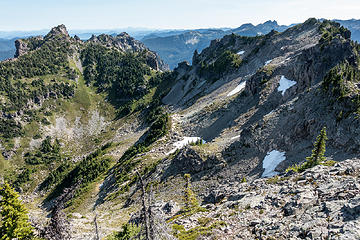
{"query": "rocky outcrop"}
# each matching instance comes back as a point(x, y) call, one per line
point(21, 48)
point(187, 160)
point(124, 42)
point(321, 203)
point(60, 32)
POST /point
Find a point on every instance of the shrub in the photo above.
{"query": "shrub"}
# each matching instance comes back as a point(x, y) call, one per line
point(47, 153)
point(128, 232)
point(14, 219)
point(226, 62)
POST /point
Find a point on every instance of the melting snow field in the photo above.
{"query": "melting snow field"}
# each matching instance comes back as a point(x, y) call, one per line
point(241, 52)
point(285, 84)
point(268, 62)
point(184, 142)
point(239, 87)
point(236, 137)
point(271, 160)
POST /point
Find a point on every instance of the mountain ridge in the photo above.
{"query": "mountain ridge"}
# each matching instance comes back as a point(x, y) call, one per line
point(197, 139)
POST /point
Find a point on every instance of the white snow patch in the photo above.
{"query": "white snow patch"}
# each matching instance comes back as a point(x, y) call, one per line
point(268, 62)
point(272, 111)
point(192, 41)
point(238, 88)
point(285, 84)
point(271, 160)
point(184, 142)
point(236, 137)
point(241, 52)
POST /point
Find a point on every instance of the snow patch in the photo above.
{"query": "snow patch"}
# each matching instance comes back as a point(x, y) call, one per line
point(236, 137)
point(285, 84)
point(241, 52)
point(238, 88)
point(268, 62)
point(271, 160)
point(192, 41)
point(272, 111)
point(184, 142)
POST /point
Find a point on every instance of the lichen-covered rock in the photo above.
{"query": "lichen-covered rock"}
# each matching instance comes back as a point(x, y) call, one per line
point(320, 203)
point(21, 48)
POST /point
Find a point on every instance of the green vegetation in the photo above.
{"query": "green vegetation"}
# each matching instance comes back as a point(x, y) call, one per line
point(191, 203)
point(56, 176)
point(31, 78)
point(318, 154)
point(121, 75)
point(9, 128)
point(49, 59)
point(48, 153)
point(331, 30)
point(160, 85)
point(23, 177)
point(276, 179)
point(338, 77)
point(84, 173)
point(203, 229)
point(127, 162)
point(225, 63)
point(199, 142)
point(14, 219)
point(341, 82)
point(129, 231)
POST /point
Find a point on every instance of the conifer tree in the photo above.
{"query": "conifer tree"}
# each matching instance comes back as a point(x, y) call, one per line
point(14, 218)
point(191, 202)
point(318, 153)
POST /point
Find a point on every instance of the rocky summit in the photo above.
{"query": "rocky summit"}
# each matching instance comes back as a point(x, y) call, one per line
point(257, 139)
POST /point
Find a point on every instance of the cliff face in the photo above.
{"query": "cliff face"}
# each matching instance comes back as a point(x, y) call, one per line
point(21, 48)
point(248, 101)
point(125, 43)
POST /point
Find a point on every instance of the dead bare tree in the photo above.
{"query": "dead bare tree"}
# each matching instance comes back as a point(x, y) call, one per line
point(96, 228)
point(151, 217)
point(145, 210)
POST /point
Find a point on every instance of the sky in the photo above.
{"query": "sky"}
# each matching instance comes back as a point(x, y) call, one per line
point(166, 14)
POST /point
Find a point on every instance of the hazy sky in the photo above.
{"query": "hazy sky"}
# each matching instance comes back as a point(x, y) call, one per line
point(110, 14)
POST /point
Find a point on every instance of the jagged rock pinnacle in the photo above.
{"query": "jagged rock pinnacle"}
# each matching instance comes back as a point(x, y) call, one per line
point(58, 31)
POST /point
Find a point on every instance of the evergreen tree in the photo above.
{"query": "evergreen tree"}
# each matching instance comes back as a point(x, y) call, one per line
point(14, 218)
point(318, 152)
point(191, 202)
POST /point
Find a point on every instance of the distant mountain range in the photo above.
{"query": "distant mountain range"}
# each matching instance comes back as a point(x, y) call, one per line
point(177, 48)
point(173, 46)
point(7, 48)
point(353, 25)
